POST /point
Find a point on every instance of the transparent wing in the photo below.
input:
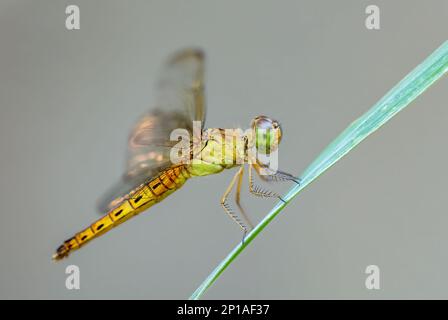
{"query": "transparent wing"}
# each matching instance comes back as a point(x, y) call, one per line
point(181, 85)
point(149, 149)
point(180, 100)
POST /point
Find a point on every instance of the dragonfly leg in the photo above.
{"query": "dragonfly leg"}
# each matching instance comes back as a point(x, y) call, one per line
point(276, 176)
point(232, 214)
point(257, 190)
point(240, 174)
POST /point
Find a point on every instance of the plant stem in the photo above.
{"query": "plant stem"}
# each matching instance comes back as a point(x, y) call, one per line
point(399, 97)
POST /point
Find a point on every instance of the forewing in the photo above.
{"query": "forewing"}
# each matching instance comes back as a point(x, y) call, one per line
point(180, 101)
point(181, 85)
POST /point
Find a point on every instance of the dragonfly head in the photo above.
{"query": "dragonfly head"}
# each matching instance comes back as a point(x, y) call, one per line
point(267, 133)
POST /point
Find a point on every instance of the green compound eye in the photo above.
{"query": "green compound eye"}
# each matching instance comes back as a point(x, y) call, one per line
point(263, 140)
point(267, 134)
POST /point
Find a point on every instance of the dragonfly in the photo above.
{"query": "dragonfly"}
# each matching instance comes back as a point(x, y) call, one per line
point(151, 175)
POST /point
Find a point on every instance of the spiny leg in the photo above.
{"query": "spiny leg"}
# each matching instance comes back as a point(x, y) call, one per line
point(240, 174)
point(275, 176)
point(257, 190)
point(227, 208)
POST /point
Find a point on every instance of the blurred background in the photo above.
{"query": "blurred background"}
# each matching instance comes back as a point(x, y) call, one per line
point(68, 100)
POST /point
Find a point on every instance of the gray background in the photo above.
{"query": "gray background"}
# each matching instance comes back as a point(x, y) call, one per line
point(69, 98)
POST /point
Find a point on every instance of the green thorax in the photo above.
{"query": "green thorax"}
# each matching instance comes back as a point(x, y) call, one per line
point(217, 153)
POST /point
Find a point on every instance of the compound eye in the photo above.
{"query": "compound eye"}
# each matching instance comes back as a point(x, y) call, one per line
point(267, 134)
point(262, 122)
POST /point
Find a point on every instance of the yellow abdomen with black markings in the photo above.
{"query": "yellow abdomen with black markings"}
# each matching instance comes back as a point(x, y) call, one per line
point(140, 199)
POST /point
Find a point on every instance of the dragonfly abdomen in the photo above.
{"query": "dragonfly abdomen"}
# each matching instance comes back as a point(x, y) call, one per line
point(140, 199)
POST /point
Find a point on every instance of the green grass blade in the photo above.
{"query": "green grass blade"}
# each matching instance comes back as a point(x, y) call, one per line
point(420, 79)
